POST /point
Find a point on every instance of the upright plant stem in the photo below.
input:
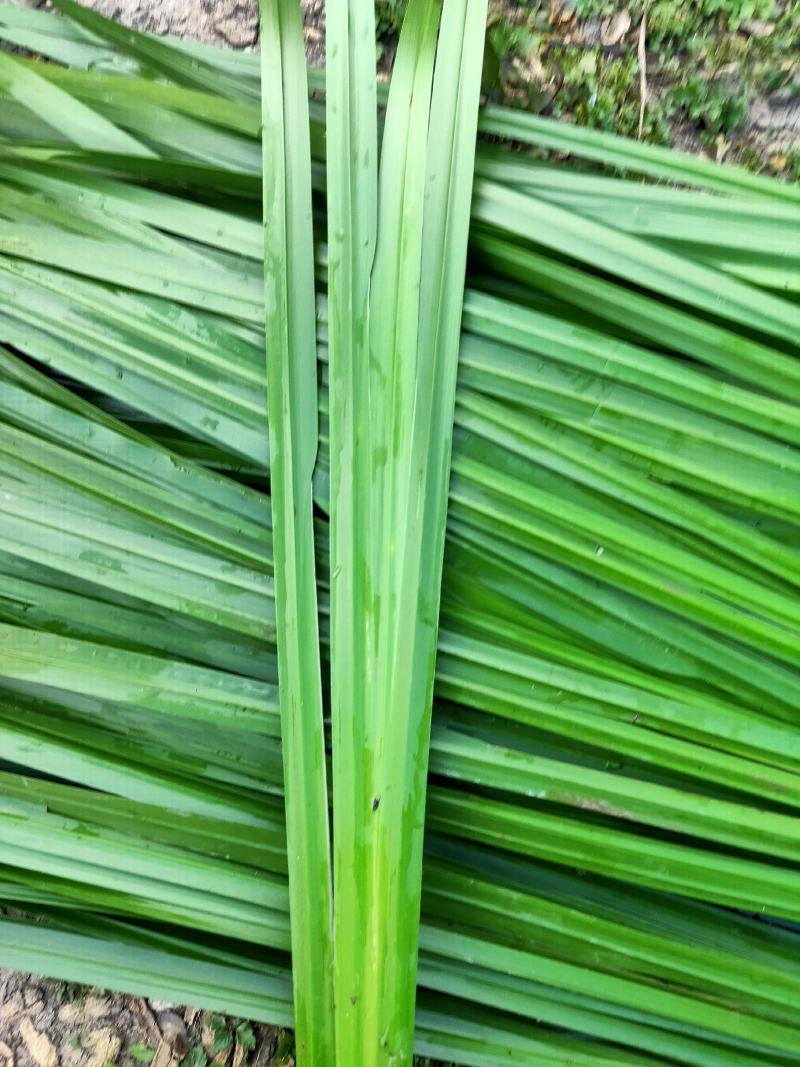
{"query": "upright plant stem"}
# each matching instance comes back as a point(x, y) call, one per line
point(292, 402)
point(394, 350)
point(352, 149)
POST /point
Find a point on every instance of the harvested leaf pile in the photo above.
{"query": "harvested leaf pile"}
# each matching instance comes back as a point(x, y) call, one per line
point(560, 502)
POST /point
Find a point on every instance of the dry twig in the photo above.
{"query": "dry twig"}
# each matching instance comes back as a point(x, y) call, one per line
point(149, 1020)
point(642, 71)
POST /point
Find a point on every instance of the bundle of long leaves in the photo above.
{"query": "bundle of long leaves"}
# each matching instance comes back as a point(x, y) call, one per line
point(304, 538)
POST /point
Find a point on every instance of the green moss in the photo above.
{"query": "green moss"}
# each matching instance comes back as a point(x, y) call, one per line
point(717, 105)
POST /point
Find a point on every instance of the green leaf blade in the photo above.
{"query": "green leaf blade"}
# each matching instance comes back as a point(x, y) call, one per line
point(290, 320)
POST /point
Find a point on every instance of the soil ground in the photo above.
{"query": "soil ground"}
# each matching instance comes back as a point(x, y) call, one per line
point(54, 1024)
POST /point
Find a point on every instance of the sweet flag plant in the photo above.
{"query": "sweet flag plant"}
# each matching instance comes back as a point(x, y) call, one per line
point(399, 554)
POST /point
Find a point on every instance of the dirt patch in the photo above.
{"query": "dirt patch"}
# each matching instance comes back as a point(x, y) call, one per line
point(55, 1024)
point(230, 23)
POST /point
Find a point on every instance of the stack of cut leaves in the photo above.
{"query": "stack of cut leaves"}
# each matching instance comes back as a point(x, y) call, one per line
point(407, 492)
